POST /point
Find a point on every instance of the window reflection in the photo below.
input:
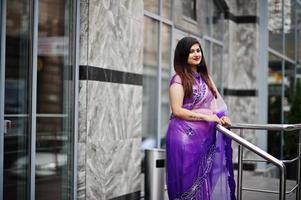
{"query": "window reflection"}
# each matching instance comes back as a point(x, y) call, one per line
point(17, 101)
point(213, 20)
point(274, 102)
point(150, 81)
point(165, 70)
point(216, 69)
point(217, 22)
point(298, 25)
point(167, 9)
point(289, 86)
point(54, 101)
point(189, 9)
point(206, 51)
point(152, 6)
point(275, 24)
point(289, 28)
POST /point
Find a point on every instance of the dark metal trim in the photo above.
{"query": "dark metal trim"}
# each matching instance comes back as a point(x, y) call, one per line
point(130, 196)
point(243, 19)
point(240, 93)
point(92, 73)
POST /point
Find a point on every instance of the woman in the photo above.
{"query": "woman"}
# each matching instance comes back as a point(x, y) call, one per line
point(199, 159)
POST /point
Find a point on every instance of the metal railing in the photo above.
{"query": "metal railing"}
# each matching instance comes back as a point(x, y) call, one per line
point(268, 158)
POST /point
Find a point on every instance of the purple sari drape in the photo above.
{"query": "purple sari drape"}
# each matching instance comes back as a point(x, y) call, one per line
point(199, 158)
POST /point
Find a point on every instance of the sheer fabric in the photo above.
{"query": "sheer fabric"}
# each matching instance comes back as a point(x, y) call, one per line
point(199, 158)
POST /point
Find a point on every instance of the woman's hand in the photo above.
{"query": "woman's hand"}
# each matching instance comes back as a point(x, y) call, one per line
point(213, 118)
point(225, 121)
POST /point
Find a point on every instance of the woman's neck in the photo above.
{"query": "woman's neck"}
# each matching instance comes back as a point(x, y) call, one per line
point(194, 69)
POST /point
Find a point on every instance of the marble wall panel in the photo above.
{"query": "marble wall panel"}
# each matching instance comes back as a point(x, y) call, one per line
point(240, 65)
point(95, 171)
point(115, 35)
point(232, 4)
point(110, 124)
point(243, 65)
point(114, 111)
point(242, 7)
point(230, 47)
point(81, 171)
point(243, 110)
point(226, 59)
point(133, 8)
point(247, 7)
point(113, 168)
point(84, 19)
point(82, 111)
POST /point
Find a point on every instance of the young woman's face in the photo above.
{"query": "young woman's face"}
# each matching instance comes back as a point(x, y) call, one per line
point(195, 55)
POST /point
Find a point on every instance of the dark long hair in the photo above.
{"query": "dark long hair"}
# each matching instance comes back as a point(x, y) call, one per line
point(183, 69)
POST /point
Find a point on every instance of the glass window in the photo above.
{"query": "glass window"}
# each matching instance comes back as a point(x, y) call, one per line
point(166, 65)
point(208, 18)
point(55, 101)
point(299, 45)
point(298, 25)
point(216, 68)
point(167, 9)
point(274, 102)
point(152, 6)
point(213, 20)
point(17, 104)
point(290, 140)
point(189, 9)
point(275, 24)
point(150, 80)
point(217, 22)
point(289, 85)
point(207, 53)
point(289, 29)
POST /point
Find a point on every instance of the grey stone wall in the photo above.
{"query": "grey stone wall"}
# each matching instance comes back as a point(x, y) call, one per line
point(110, 113)
point(240, 66)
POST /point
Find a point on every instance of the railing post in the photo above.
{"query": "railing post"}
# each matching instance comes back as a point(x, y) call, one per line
point(298, 194)
point(240, 169)
point(282, 184)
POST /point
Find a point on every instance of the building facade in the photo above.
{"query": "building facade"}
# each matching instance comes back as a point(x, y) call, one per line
point(84, 85)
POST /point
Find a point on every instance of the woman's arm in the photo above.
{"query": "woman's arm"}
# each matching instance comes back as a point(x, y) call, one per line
point(225, 120)
point(176, 96)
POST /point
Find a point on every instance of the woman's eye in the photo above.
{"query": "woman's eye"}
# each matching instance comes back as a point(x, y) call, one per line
point(197, 50)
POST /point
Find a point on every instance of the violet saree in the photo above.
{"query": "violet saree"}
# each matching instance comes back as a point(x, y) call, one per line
point(199, 158)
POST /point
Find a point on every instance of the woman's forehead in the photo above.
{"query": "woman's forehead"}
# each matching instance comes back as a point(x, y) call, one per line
point(195, 46)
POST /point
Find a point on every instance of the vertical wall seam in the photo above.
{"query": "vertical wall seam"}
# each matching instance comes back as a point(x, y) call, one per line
point(87, 92)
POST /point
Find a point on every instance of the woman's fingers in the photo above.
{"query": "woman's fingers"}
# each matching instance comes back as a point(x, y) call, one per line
point(217, 120)
point(225, 121)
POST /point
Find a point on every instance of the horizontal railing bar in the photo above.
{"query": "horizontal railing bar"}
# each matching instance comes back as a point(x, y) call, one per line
point(261, 191)
point(291, 160)
point(271, 127)
point(255, 160)
point(270, 191)
point(250, 146)
point(260, 160)
point(293, 189)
